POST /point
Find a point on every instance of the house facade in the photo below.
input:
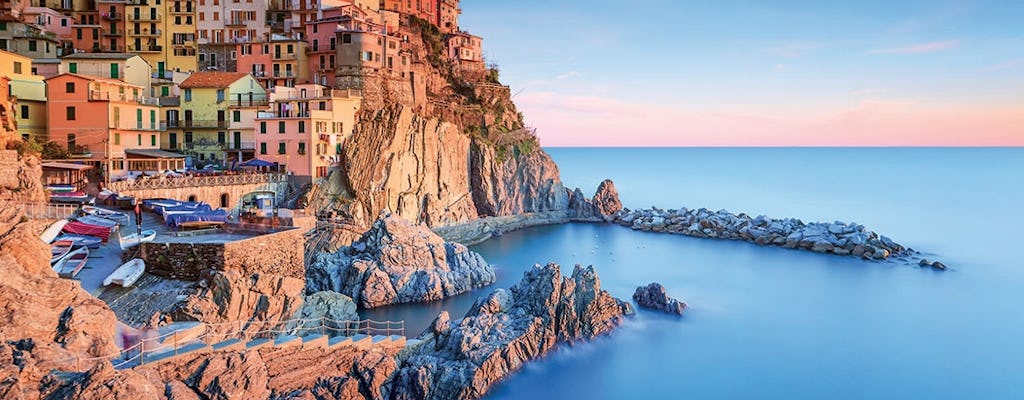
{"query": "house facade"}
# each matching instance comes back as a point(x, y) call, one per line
point(218, 110)
point(130, 68)
point(30, 91)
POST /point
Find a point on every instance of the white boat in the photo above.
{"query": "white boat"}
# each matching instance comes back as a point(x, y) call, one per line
point(127, 273)
point(60, 249)
point(51, 233)
point(134, 239)
point(72, 264)
point(107, 214)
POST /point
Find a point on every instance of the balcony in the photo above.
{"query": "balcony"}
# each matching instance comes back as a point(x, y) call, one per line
point(144, 17)
point(284, 74)
point(33, 33)
point(240, 146)
point(96, 95)
point(145, 32)
point(247, 101)
point(79, 151)
point(284, 57)
point(183, 10)
point(169, 101)
point(113, 33)
point(145, 49)
point(112, 16)
point(235, 23)
point(204, 124)
point(282, 114)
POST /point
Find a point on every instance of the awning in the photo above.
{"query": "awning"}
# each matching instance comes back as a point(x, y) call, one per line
point(152, 153)
point(257, 163)
point(68, 166)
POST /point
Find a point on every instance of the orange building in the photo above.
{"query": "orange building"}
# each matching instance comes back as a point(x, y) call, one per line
point(109, 123)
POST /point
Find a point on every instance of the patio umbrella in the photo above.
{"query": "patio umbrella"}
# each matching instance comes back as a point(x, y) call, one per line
point(257, 163)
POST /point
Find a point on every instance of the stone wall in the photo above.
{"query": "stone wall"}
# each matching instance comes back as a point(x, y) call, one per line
point(9, 168)
point(211, 194)
point(280, 253)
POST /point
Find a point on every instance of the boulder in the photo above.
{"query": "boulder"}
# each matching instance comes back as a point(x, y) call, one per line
point(653, 296)
point(607, 199)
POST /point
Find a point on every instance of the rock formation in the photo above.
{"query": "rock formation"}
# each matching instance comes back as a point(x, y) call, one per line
point(398, 262)
point(332, 307)
point(837, 238)
point(503, 331)
point(653, 296)
point(254, 300)
point(607, 200)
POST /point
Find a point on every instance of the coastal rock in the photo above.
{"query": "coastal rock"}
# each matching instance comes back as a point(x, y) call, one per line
point(505, 330)
point(256, 301)
point(335, 309)
point(607, 199)
point(653, 296)
point(398, 262)
point(518, 183)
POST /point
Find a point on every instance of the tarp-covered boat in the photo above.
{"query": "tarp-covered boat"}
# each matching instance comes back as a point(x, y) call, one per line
point(92, 220)
point(177, 220)
point(70, 197)
point(82, 228)
point(108, 214)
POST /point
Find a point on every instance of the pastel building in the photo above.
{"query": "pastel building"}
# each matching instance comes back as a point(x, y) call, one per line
point(28, 39)
point(109, 123)
point(448, 12)
point(306, 127)
point(179, 37)
point(281, 61)
point(144, 30)
point(465, 49)
point(130, 68)
point(30, 92)
point(231, 21)
point(49, 20)
point(218, 110)
point(112, 29)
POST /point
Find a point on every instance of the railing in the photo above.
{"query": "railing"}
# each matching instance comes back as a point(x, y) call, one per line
point(96, 95)
point(196, 181)
point(34, 33)
point(143, 17)
point(240, 146)
point(235, 22)
point(47, 210)
point(175, 343)
point(245, 102)
point(204, 123)
point(145, 32)
point(112, 16)
point(145, 49)
point(169, 101)
point(285, 74)
point(282, 56)
point(284, 114)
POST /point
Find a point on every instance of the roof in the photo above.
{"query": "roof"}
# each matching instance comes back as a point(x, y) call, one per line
point(212, 79)
point(153, 153)
point(63, 165)
point(95, 78)
point(99, 56)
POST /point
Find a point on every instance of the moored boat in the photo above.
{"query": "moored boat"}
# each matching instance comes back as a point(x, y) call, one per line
point(126, 274)
point(93, 220)
point(59, 249)
point(91, 242)
point(81, 228)
point(125, 202)
point(135, 239)
point(51, 232)
point(70, 197)
point(60, 188)
point(72, 264)
point(108, 214)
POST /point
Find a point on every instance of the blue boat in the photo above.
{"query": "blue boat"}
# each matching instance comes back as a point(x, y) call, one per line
point(91, 242)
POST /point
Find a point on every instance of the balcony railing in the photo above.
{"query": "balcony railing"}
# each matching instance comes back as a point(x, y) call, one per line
point(96, 95)
point(169, 101)
point(247, 102)
point(112, 16)
point(145, 49)
point(240, 146)
point(284, 74)
point(81, 151)
point(235, 22)
point(144, 17)
point(182, 10)
point(282, 114)
point(197, 181)
point(204, 123)
point(285, 57)
point(145, 32)
point(34, 33)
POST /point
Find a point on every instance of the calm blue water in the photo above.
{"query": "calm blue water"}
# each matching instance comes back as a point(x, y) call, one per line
point(776, 323)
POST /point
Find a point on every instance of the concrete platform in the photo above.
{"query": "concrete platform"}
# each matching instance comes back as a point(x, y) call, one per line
point(315, 341)
point(257, 344)
point(167, 355)
point(339, 341)
point(287, 341)
point(362, 341)
point(181, 332)
point(229, 345)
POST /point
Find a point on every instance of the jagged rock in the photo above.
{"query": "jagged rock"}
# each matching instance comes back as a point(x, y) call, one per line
point(398, 262)
point(653, 296)
point(254, 300)
point(607, 199)
point(503, 331)
point(334, 308)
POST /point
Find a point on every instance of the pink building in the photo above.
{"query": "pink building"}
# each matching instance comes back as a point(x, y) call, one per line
point(49, 20)
point(465, 49)
point(280, 61)
point(106, 122)
point(306, 128)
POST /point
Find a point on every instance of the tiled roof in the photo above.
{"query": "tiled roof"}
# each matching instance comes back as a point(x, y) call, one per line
point(212, 79)
point(99, 56)
point(95, 78)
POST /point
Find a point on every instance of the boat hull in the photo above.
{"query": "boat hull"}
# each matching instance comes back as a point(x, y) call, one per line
point(126, 274)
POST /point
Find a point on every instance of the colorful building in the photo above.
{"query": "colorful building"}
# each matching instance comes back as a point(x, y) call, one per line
point(144, 30)
point(218, 110)
point(30, 92)
point(28, 39)
point(448, 12)
point(306, 127)
point(112, 30)
point(465, 49)
point(179, 37)
point(102, 121)
point(231, 21)
point(127, 67)
point(282, 61)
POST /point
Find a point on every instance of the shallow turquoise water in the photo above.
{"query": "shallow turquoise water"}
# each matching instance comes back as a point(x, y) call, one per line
point(775, 323)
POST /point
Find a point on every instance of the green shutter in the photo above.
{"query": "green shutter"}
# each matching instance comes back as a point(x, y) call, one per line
point(113, 71)
point(138, 122)
point(73, 68)
point(152, 119)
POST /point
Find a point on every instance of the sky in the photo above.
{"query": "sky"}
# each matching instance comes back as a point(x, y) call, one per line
point(760, 73)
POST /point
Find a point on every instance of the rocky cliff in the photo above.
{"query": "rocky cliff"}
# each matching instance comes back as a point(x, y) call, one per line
point(398, 262)
point(501, 332)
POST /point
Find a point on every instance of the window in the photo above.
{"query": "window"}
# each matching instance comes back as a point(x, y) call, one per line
point(280, 126)
point(152, 119)
point(281, 148)
point(291, 49)
point(17, 67)
point(316, 44)
point(333, 42)
point(234, 55)
point(263, 148)
point(221, 138)
point(302, 148)
point(78, 33)
point(63, 22)
point(152, 140)
point(220, 96)
point(95, 34)
point(69, 87)
point(345, 38)
point(24, 111)
point(188, 94)
point(139, 137)
point(138, 122)
point(188, 137)
point(165, 91)
point(202, 57)
point(117, 138)
point(236, 116)
point(263, 126)
point(302, 126)
point(70, 113)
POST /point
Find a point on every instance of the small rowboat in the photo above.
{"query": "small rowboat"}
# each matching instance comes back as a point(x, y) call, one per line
point(51, 233)
point(72, 264)
point(127, 273)
point(60, 249)
point(134, 239)
point(91, 220)
point(60, 188)
point(193, 225)
point(77, 241)
point(99, 212)
point(70, 197)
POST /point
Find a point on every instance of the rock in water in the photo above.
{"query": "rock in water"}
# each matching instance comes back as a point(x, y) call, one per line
point(398, 262)
point(607, 199)
point(653, 296)
point(501, 332)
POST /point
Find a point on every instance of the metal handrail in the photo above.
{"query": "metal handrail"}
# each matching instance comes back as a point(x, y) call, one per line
point(195, 181)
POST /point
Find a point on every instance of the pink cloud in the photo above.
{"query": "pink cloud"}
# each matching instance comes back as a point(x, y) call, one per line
point(920, 48)
point(594, 121)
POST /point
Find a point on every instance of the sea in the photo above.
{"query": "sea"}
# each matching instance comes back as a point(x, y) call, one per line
point(773, 323)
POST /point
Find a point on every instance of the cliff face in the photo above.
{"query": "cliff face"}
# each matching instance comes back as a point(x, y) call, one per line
point(515, 182)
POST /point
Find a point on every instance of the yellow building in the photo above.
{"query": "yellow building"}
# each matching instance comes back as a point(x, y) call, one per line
point(30, 92)
point(179, 37)
point(218, 110)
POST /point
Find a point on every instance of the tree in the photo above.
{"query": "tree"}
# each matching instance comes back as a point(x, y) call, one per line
point(53, 151)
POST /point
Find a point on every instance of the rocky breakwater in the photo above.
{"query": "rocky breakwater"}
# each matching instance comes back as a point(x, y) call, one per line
point(501, 332)
point(398, 262)
point(839, 238)
point(653, 296)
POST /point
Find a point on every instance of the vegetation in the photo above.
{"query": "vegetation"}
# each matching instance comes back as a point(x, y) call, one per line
point(53, 151)
point(27, 147)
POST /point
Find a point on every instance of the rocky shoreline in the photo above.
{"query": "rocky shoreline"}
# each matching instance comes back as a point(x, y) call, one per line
point(838, 238)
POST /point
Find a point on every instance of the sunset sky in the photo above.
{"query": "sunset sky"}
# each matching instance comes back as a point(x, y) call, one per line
point(732, 72)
